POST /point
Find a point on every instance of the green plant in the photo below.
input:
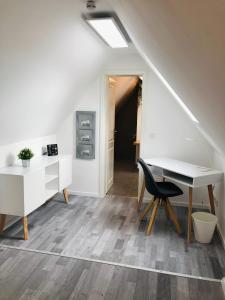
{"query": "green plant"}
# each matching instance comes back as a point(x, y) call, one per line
point(25, 154)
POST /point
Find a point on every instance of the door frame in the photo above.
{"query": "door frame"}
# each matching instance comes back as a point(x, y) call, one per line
point(103, 127)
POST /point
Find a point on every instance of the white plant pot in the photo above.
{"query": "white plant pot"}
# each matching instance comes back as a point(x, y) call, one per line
point(26, 163)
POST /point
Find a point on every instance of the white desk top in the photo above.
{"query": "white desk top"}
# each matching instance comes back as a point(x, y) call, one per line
point(35, 164)
point(181, 167)
point(199, 175)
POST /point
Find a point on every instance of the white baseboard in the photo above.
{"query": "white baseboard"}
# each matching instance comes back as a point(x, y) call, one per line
point(85, 194)
point(183, 204)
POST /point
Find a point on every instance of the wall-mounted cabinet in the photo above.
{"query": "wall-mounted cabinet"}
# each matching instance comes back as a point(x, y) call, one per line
point(85, 134)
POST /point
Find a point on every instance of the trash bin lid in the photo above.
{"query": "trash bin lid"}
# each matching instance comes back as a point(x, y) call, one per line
point(204, 217)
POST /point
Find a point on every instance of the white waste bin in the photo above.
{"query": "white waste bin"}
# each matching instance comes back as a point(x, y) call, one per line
point(204, 226)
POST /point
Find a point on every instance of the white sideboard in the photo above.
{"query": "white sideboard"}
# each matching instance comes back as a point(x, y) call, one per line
point(22, 190)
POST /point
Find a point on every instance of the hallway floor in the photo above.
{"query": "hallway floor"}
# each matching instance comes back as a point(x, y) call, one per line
point(108, 230)
point(125, 179)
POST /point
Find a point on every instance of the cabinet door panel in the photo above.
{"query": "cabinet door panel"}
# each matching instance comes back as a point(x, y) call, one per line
point(65, 172)
point(34, 190)
point(11, 195)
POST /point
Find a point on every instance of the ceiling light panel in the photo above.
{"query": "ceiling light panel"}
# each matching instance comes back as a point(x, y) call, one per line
point(109, 31)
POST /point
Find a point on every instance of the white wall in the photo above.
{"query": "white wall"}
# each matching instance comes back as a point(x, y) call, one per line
point(85, 172)
point(166, 130)
point(219, 193)
point(8, 153)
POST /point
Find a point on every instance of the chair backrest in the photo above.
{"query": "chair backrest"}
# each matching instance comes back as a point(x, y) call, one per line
point(149, 180)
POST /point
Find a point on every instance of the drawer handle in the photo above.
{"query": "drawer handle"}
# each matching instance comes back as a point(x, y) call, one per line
point(85, 123)
point(85, 138)
point(85, 153)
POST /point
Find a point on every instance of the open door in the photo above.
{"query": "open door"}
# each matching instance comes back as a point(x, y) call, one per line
point(123, 118)
point(110, 132)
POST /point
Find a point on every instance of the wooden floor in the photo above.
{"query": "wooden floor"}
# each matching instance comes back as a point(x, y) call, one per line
point(108, 230)
point(125, 179)
point(26, 275)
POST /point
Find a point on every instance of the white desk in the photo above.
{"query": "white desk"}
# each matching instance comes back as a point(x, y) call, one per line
point(186, 174)
point(22, 190)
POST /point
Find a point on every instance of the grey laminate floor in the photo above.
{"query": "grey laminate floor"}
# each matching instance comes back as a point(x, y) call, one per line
point(26, 275)
point(125, 179)
point(108, 230)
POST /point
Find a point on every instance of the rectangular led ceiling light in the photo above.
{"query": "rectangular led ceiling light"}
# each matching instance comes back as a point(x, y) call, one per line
point(109, 31)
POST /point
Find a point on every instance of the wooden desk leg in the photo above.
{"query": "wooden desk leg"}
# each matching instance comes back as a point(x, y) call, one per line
point(2, 222)
point(141, 195)
point(189, 215)
point(25, 228)
point(211, 199)
point(66, 196)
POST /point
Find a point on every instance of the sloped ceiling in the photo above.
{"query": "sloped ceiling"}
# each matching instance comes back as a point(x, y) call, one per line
point(185, 41)
point(47, 55)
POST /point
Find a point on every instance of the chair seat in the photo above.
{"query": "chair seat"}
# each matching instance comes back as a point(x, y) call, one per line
point(168, 189)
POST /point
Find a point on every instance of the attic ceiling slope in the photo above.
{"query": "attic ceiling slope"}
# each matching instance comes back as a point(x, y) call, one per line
point(185, 41)
point(48, 55)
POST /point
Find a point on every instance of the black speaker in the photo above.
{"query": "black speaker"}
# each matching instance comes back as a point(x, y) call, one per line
point(52, 149)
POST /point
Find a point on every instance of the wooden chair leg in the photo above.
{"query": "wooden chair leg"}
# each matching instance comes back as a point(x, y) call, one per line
point(25, 228)
point(2, 222)
point(152, 218)
point(140, 200)
point(147, 209)
point(173, 216)
point(211, 199)
point(166, 210)
point(66, 196)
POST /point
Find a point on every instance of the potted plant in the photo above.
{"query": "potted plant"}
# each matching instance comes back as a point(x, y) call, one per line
point(25, 155)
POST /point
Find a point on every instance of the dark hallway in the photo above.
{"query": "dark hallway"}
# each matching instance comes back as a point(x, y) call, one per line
point(125, 169)
point(125, 127)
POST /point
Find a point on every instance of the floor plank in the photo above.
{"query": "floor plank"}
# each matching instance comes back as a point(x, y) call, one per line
point(108, 229)
point(27, 275)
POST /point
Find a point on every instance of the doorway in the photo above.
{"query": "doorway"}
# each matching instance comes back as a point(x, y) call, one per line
point(124, 101)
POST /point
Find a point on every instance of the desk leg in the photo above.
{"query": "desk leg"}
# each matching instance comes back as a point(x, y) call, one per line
point(211, 199)
point(25, 228)
point(189, 215)
point(2, 222)
point(66, 196)
point(141, 195)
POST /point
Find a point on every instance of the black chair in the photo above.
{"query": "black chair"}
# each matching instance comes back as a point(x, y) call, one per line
point(161, 192)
